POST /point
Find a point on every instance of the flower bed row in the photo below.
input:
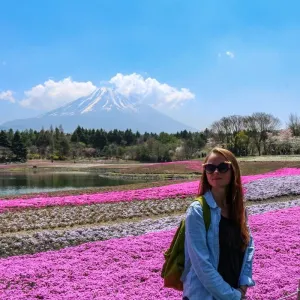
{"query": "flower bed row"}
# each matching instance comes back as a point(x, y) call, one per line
point(271, 187)
point(37, 241)
point(64, 216)
point(177, 190)
point(129, 268)
point(68, 216)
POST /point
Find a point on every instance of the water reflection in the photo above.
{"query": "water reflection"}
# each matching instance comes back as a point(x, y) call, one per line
point(39, 181)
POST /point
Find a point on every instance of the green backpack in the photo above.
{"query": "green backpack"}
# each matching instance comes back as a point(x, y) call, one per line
point(174, 257)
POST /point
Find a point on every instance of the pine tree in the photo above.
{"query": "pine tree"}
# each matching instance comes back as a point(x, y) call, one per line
point(100, 140)
point(18, 147)
point(129, 137)
point(4, 142)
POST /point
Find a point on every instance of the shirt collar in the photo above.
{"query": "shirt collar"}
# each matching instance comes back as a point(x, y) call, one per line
point(210, 199)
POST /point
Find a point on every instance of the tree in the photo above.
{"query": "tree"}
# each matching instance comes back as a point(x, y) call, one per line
point(43, 142)
point(129, 137)
point(241, 143)
point(166, 138)
point(64, 147)
point(4, 142)
point(226, 131)
point(143, 153)
point(184, 134)
point(10, 135)
point(5, 154)
point(99, 139)
point(52, 144)
point(75, 137)
point(294, 124)
point(218, 131)
point(258, 126)
point(200, 140)
point(280, 142)
point(115, 137)
point(189, 148)
point(18, 147)
point(80, 134)
point(90, 152)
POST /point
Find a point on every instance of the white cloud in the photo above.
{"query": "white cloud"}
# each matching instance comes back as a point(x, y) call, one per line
point(150, 90)
point(230, 54)
point(52, 94)
point(7, 96)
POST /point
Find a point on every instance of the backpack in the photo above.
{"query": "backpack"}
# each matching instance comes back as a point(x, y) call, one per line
point(174, 257)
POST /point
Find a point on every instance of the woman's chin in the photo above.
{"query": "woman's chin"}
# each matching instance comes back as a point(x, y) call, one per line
point(218, 185)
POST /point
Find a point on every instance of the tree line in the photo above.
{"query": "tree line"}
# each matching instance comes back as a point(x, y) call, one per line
point(256, 134)
point(55, 144)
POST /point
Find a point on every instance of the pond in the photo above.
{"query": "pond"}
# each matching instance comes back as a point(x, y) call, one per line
point(12, 183)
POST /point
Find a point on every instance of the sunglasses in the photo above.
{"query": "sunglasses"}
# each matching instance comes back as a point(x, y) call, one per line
point(222, 167)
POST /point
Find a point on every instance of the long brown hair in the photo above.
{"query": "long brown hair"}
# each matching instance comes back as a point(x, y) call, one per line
point(234, 197)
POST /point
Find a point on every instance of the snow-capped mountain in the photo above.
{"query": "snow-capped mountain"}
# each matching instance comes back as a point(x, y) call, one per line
point(104, 108)
point(101, 99)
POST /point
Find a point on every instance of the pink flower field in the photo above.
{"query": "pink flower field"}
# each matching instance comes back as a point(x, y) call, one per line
point(176, 190)
point(129, 268)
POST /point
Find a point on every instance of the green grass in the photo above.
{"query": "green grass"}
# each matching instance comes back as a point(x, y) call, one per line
point(259, 167)
point(160, 169)
point(269, 158)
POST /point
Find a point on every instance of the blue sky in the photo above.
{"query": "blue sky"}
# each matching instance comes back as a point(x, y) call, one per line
point(234, 57)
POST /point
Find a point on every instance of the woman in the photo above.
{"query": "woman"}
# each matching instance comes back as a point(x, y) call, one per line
point(218, 263)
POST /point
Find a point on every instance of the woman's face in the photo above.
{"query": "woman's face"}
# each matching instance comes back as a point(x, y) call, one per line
point(218, 179)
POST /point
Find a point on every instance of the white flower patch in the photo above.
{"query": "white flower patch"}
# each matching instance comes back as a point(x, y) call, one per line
point(33, 242)
point(68, 216)
point(271, 187)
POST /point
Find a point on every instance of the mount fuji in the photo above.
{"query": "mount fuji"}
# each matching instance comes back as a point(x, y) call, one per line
point(104, 108)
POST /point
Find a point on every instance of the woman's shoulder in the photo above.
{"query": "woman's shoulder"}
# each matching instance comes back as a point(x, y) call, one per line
point(196, 204)
point(195, 215)
point(194, 208)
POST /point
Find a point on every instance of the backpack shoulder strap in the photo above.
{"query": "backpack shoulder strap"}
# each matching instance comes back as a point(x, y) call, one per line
point(206, 211)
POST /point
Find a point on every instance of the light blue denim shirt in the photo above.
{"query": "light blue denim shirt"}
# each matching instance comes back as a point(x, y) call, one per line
point(201, 279)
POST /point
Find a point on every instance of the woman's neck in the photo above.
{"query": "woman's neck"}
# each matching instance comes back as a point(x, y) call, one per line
point(219, 196)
